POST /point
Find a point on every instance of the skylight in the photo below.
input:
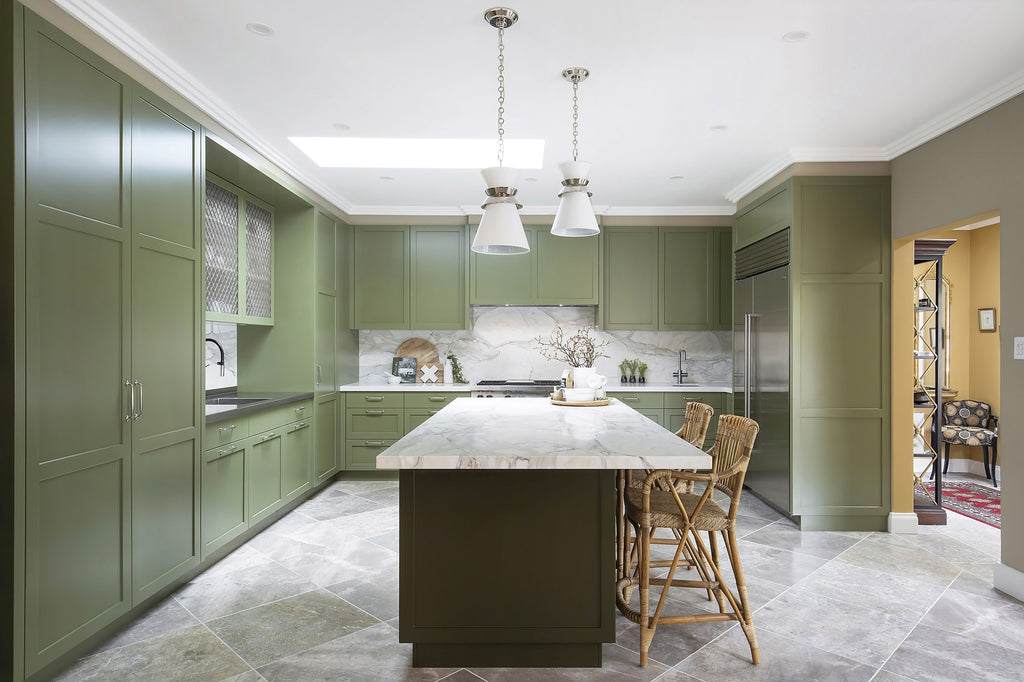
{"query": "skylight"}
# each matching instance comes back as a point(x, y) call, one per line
point(396, 152)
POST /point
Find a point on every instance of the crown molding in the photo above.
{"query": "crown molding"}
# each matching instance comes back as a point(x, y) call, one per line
point(645, 211)
point(761, 176)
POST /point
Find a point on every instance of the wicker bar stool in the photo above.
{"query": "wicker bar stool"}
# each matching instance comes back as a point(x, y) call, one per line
point(658, 503)
point(694, 430)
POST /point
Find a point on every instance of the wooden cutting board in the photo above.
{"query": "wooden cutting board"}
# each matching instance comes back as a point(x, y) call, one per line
point(424, 352)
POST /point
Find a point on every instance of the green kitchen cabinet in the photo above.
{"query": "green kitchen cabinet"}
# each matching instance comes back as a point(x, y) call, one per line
point(263, 471)
point(630, 278)
point(224, 503)
point(361, 455)
point(326, 456)
point(296, 457)
point(374, 423)
point(409, 278)
point(557, 271)
point(725, 279)
point(675, 411)
point(687, 282)
point(239, 239)
point(112, 344)
point(325, 400)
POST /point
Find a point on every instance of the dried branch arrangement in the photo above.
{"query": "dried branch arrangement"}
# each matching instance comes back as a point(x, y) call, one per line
point(578, 350)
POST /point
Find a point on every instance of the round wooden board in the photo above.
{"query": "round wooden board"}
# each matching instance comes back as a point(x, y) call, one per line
point(424, 352)
point(588, 403)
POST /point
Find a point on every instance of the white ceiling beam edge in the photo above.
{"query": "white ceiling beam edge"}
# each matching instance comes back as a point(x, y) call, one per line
point(109, 27)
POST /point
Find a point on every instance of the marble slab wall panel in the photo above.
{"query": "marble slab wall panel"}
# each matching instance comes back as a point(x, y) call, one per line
point(501, 345)
point(226, 335)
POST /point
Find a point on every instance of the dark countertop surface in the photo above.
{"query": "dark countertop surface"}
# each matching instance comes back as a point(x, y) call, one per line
point(216, 413)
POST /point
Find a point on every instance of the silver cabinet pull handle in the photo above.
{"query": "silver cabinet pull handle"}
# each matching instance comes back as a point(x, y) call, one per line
point(747, 352)
point(437, 398)
point(227, 428)
point(139, 384)
point(299, 427)
point(300, 409)
point(631, 398)
point(433, 411)
point(227, 451)
point(268, 437)
point(319, 375)
point(373, 411)
point(373, 398)
point(131, 400)
point(374, 442)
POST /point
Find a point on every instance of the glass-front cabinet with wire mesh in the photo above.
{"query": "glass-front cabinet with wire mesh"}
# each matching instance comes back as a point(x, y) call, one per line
point(931, 375)
point(239, 232)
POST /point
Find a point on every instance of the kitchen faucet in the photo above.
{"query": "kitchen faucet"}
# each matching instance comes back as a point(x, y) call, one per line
point(221, 363)
point(680, 375)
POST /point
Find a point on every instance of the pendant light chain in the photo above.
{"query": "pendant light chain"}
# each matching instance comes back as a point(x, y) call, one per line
point(575, 119)
point(501, 95)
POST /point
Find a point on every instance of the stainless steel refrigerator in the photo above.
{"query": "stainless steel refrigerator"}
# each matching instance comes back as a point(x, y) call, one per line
point(761, 363)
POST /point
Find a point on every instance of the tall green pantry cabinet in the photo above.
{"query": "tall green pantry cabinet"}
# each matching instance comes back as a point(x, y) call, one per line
point(112, 334)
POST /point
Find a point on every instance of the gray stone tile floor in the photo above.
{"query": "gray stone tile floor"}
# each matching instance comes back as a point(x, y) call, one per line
point(315, 597)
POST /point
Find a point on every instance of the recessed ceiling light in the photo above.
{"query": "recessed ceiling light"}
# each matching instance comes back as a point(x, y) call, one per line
point(260, 29)
point(341, 126)
point(718, 128)
point(384, 152)
point(386, 177)
point(676, 177)
point(529, 179)
point(795, 36)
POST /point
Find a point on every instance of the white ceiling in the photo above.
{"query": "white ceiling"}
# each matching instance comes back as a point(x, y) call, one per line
point(873, 79)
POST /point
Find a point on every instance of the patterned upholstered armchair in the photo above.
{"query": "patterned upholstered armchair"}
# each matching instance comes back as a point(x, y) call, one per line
point(971, 422)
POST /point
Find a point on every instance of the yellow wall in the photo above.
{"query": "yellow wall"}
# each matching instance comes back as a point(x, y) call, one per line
point(985, 294)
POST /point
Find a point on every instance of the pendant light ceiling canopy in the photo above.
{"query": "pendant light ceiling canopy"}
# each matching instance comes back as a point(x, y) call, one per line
point(501, 230)
point(575, 216)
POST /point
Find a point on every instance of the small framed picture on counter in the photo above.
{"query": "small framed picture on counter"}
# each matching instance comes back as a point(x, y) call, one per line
point(987, 319)
point(405, 369)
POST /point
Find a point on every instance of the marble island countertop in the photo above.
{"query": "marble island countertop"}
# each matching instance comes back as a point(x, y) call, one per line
point(650, 387)
point(532, 433)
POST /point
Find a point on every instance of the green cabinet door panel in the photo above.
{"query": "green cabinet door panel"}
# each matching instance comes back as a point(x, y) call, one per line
point(325, 462)
point(630, 278)
point(164, 516)
point(296, 456)
point(770, 214)
point(687, 270)
point(263, 471)
point(501, 280)
point(325, 371)
point(725, 279)
point(567, 269)
point(415, 417)
point(375, 423)
point(380, 278)
point(438, 278)
point(326, 254)
point(361, 455)
point(224, 509)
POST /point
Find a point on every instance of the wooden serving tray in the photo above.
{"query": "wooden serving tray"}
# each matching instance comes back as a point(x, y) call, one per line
point(588, 403)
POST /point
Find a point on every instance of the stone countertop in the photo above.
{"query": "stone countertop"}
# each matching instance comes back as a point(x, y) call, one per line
point(216, 413)
point(650, 387)
point(532, 433)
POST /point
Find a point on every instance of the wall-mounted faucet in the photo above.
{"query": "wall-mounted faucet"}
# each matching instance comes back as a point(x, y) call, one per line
point(681, 373)
point(221, 363)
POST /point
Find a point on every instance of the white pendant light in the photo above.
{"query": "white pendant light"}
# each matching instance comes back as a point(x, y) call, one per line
point(501, 230)
point(575, 216)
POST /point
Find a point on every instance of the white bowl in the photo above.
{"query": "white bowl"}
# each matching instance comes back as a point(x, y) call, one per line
point(579, 395)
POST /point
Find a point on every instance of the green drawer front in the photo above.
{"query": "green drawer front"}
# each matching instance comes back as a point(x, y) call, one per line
point(679, 399)
point(431, 400)
point(374, 423)
point(226, 431)
point(361, 455)
point(414, 418)
point(382, 399)
point(655, 415)
point(279, 416)
point(639, 400)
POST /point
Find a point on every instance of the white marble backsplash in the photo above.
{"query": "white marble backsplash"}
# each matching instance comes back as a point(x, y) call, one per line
point(500, 345)
point(226, 335)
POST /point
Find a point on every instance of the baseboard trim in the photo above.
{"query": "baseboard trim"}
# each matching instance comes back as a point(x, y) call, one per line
point(1008, 580)
point(903, 524)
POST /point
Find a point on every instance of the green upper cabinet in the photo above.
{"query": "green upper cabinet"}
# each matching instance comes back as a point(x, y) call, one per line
point(725, 279)
point(665, 278)
point(239, 232)
point(687, 286)
point(630, 278)
point(438, 278)
point(408, 278)
point(557, 271)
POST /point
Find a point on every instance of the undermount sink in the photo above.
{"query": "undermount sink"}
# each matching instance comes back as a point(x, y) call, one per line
point(233, 400)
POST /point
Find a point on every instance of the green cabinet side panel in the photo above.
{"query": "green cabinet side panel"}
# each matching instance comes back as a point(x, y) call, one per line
point(380, 284)
point(325, 461)
point(843, 476)
point(296, 456)
point(567, 269)
point(686, 286)
point(224, 509)
point(326, 255)
point(164, 522)
point(326, 379)
point(630, 278)
point(438, 278)
point(500, 280)
point(263, 471)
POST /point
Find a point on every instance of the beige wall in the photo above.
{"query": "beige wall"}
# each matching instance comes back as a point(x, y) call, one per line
point(972, 170)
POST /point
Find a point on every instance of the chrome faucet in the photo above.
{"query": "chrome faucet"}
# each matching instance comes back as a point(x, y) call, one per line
point(221, 363)
point(681, 374)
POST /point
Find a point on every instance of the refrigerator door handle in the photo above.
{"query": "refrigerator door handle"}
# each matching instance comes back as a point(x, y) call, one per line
point(747, 324)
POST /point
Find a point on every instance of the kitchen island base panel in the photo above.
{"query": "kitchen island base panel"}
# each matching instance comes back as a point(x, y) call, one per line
point(507, 568)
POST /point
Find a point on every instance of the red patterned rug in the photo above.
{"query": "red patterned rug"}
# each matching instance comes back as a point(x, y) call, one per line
point(970, 499)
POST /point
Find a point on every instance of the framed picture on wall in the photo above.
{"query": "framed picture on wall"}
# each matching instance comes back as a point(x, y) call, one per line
point(987, 319)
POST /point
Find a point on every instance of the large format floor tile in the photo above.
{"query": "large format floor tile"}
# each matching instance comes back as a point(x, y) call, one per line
point(315, 597)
